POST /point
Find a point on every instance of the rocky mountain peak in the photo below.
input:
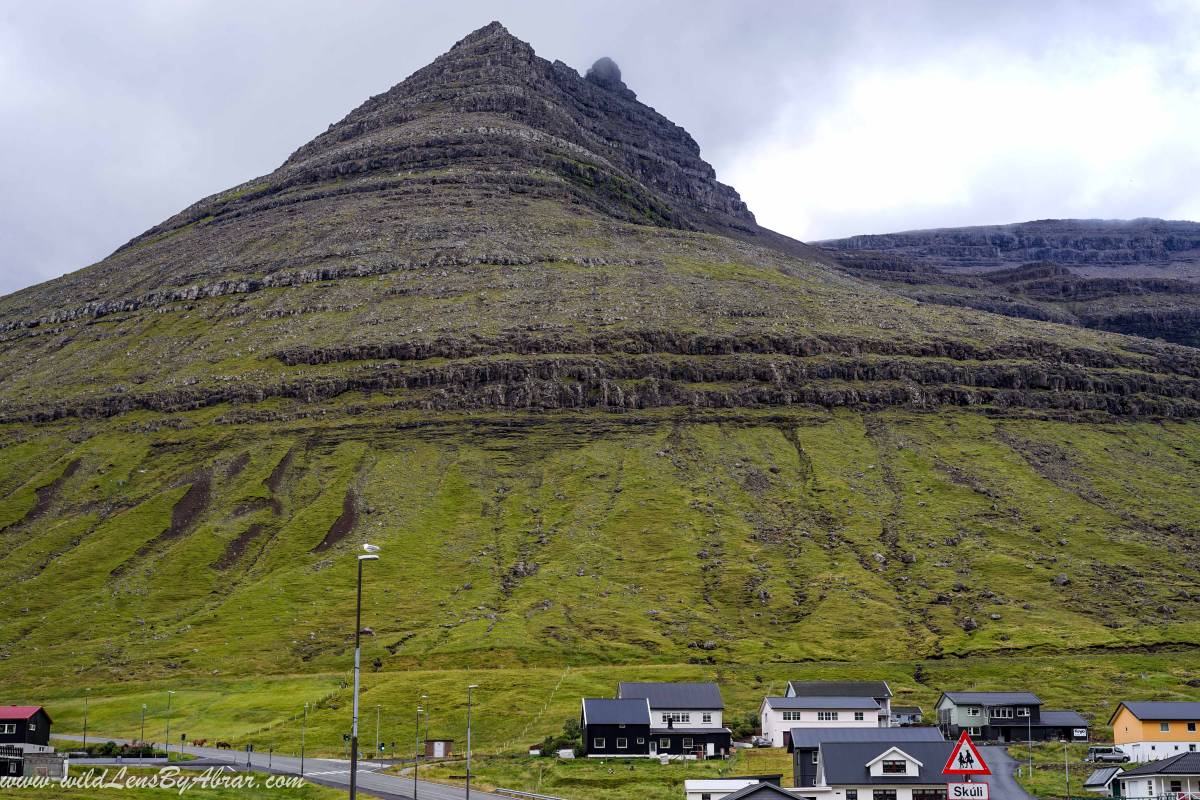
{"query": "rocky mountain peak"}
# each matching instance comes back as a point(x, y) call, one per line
point(607, 74)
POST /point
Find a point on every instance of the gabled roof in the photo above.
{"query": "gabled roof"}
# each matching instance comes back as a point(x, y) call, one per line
point(906, 709)
point(1182, 764)
point(1159, 709)
point(793, 703)
point(890, 753)
point(809, 738)
point(679, 696)
point(1101, 777)
point(839, 689)
point(761, 791)
point(20, 712)
point(606, 711)
point(1067, 719)
point(846, 762)
point(993, 698)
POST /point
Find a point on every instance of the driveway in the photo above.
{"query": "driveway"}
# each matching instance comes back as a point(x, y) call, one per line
point(325, 771)
point(1003, 781)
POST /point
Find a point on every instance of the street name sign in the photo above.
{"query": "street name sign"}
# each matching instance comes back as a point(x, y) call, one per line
point(967, 791)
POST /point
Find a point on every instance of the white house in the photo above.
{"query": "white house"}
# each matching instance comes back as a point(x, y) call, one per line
point(780, 714)
point(879, 690)
point(685, 718)
point(1174, 777)
point(880, 771)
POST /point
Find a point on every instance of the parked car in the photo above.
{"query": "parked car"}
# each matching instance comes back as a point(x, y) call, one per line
point(761, 741)
point(1107, 754)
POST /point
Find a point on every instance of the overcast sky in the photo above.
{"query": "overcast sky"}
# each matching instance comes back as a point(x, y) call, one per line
point(831, 118)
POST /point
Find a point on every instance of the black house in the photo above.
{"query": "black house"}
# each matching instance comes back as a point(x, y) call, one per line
point(686, 719)
point(615, 728)
point(24, 725)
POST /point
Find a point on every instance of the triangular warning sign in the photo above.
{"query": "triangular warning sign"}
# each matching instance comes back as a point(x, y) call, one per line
point(965, 759)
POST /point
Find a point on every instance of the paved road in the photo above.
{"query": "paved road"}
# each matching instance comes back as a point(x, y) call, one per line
point(325, 771)
point(1003, 781)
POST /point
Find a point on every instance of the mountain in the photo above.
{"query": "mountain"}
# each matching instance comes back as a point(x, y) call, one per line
point(503, 321)
point(1139, 277)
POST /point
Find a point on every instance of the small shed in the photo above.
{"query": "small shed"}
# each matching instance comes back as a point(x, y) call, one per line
point(439, 748)
point(1103, 781)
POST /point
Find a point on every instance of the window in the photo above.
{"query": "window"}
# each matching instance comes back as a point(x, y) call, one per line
point(895, 767)
point(705, 796)
point(852, 794)
point(1022, 712)
point(598, 743)
point(622, 743)
point(858, 716)
point(884, 794)
point(676, 716)
point(622, 725)
point(664, 744)
point(972, 712)
point(1191, 727)
point(816, 756)
point(1164, 726)
point(827, 716)
point(687, 743)
point(975, 731)
point(1176, 787)
point(792, 716)
point(641, 741)
point(706, 718)
point(1001, 713)
point(929, 794)
point(8, 727)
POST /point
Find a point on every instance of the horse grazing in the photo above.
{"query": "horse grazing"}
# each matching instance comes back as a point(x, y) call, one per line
point(199, 742)
point(224, 746)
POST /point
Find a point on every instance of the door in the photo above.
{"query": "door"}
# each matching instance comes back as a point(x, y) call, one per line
point(710, 749)
point(653, 747)
point(439, 749)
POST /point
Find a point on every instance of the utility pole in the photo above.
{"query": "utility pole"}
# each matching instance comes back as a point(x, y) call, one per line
point(376, 733)
point(371, 555)
point(86, 692)
point(168, 741)
point(303, 725)
point(425, 702)
point(1067, 767)
point(143, 740)
point(469, 688)
point(1029, 723)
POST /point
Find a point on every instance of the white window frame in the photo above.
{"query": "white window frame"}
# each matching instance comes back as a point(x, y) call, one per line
point(622, 743)
point(860, 716)
point(816, 757)
point(598, 742)
point(706, 718)
point(792, 716)
point(827, 716)
point(1022, 712)
point(687, 743)
point(7, 728)
point(1164, 727)
point(973, 712)
point(664, 744)
point(884, 764)
point(975, 731)
point(676, 717)
point(1001, 713)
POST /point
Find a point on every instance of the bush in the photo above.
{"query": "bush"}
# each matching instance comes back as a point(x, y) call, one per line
point(745, 726)
point(571, 738)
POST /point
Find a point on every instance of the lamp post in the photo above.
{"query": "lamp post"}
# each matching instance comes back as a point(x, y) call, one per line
point(370, 555)
point(86, 692)
point(303, 725)
point(376, 733)
point(1067, 766)
point(469, 688)
point(425, 702)
point(168, 740)
point(416, 750)
point(1029, 723)
point(143, 739)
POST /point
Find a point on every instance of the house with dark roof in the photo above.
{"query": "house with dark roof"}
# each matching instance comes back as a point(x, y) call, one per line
point(907, 715)
point(26, 728)
point(1151, 730)
point(877, 690)
point(1104, 781)
point(759, 791)
point(1174, 777)
point(615, 728)
point(880, 771)
point(779, 715)
point(685, 718)
point(804, 744)
point(1007, 717)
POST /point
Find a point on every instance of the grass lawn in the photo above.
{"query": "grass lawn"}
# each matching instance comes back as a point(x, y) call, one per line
point(612, 779)
point(166, 784)
point(1050, 768)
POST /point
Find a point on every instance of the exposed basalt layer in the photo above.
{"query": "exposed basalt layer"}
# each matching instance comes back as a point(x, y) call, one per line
point(1140, 277)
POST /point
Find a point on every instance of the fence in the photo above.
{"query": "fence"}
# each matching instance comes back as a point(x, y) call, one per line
point(525, 795)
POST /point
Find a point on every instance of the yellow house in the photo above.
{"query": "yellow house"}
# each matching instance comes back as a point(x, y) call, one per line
point(1153, 730)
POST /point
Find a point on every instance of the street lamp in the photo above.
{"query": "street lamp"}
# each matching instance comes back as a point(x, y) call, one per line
point(469, 688)
point(425, 698)
point(371, 554)
point(376, 732)
point(416, 750)
point(143, 740)
point(168, 744)
point(86, 692)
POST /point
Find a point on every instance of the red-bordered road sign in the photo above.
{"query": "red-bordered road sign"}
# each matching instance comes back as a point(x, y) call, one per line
point(965, 759)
